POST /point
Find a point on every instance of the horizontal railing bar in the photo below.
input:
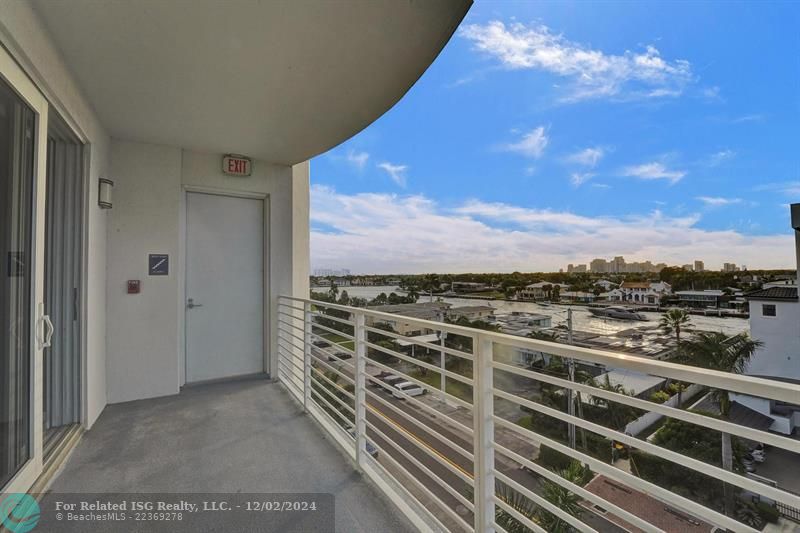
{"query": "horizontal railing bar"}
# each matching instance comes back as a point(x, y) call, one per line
point(396, 485)
point(439, 481)
point(290, 372)
point(290, 345)
point(286, 360)
point(331, 343)
point(325, 350)
point(347, 336)
point(422, 384)
point(665, 453)
point(334, 318)
point(688, 416)
point(456, 447)
point(334, 384)
point(301, 310)
point(293, 389)
point(628, 479)
point(423, 364)
point(286, 332)
point(759, 387)
point(498, 528)
point(333, 369)
point(541, 502)
point(522, 519)
point(429, 345)
point(338, 413)
point(429, 493)
point(329, 394)
point(293, 326)
point(388, 388)
point(577, 489)
point(450, 328)
point(429, 450)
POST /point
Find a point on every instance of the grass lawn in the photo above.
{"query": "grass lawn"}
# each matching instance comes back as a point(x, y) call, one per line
point(456, 388)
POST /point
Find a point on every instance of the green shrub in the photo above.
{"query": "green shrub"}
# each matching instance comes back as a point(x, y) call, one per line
point(553, 459)
point(769, 513)
point(659, 396)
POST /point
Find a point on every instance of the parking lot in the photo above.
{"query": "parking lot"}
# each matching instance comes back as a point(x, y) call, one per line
point(781, 466)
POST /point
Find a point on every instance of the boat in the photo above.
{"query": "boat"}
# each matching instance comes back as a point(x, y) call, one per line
point(620, 313)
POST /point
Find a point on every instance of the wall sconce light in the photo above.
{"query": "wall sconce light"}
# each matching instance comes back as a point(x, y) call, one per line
point(104, 194)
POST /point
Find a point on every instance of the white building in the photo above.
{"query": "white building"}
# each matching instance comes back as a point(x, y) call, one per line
point(540, 290)
point(138, 292)
point(645, 292)
point(775, 321)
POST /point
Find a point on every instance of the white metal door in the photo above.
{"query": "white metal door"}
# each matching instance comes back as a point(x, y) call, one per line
point(224, 286)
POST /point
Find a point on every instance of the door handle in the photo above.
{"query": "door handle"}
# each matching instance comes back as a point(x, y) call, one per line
point(45, 329)
point(191, 305)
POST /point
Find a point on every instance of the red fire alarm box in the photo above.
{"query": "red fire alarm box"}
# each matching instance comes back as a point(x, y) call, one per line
point(133, 286)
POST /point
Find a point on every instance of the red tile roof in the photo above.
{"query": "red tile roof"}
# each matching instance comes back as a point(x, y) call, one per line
point(644, 506)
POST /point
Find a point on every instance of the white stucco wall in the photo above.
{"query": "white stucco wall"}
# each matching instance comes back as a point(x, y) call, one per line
point(23, 35)
point(780, 355)
point(145, 331)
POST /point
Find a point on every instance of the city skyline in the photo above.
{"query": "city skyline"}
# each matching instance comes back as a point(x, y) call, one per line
point(516, 152)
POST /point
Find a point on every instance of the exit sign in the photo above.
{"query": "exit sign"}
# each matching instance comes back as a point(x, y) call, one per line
point(236, 165)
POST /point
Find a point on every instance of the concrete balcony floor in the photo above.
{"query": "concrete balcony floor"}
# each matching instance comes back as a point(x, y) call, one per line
point(238, 436)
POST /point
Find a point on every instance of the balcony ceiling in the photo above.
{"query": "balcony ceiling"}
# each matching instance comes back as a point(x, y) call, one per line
point(279, 81)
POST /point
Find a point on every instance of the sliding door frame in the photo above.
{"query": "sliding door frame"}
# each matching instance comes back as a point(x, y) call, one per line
point(15, 77)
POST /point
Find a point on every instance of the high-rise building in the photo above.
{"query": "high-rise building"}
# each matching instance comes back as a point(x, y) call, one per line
point(618, 264)
point(598, 265)
point(699, 266)
point(730, 267)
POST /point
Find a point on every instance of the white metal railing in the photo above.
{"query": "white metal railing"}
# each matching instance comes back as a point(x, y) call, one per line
point(443, 457)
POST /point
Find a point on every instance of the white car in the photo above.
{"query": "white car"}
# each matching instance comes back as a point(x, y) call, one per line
point(411, 389)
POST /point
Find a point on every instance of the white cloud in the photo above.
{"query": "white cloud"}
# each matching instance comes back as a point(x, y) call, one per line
point(357, 159)
point(588, 157)
point(789, 188)
point(718, 201)
point(720, 157)
point(532, 143)
point(711, 93)
point(396, 172)
point(388, 233)
point(653, 171)
point(579, 178)
point(755, 117)
point(592, 73)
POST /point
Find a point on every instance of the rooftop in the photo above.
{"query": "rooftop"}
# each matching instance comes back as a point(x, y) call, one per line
point(774, 293)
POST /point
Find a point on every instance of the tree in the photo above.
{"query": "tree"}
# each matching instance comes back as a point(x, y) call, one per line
point(554, 493)
point(567, 501)
point(333, 292)
point(674, 320)
point(718, 351)
point(556, 293)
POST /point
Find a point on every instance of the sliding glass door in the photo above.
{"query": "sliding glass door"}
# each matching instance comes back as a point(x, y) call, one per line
point(17, 202)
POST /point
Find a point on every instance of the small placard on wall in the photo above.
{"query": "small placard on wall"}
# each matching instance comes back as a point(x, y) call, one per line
point(158, 265)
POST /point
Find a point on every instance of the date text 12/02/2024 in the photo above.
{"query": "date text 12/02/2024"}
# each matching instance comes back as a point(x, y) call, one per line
point(89, 513)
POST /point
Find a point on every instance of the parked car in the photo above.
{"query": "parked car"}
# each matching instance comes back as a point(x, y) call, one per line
point(749, 462)
point(759, 454)
point(411, 389)
point(393, 380)
point(371, 449)
point(321, 344)
point(382, 375)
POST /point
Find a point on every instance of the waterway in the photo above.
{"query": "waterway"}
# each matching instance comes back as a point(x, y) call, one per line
point(582, 319)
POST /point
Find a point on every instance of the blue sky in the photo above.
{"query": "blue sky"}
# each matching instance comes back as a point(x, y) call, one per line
point(549, 133)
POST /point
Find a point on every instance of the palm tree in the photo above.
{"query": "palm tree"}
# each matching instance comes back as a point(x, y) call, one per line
point(718, 351)
point(554, 493)
point(674, 320)
point(567, 501)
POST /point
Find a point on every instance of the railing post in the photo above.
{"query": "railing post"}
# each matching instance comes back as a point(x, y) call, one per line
point(307, 355)
point(360, 367)
point(483, 430)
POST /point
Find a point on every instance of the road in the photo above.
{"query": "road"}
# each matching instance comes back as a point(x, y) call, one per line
point(420, 441)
